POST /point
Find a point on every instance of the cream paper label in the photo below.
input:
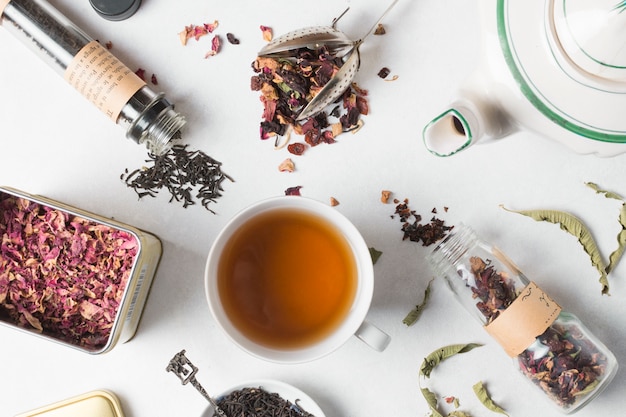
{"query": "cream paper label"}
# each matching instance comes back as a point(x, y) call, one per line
point(516, 328)
point(101, 78)
point(3, 4)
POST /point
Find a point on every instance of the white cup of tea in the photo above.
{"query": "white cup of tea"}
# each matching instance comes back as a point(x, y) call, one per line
point(290, 279)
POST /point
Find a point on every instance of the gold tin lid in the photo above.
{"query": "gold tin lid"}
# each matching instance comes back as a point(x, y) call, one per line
point(93, 404)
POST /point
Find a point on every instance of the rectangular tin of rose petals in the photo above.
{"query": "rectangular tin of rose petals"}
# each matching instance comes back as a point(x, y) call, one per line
point(99, 403)
point(72, 276)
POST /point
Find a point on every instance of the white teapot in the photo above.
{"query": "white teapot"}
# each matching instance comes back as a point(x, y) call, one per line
point(557, 67)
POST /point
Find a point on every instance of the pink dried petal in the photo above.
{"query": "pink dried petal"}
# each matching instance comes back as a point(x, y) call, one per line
point(267, 33)
point(56, 270)
point(215, 46)
point(210, 27)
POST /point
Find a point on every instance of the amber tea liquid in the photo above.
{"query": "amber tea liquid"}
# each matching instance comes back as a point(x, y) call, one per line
point(287, 278)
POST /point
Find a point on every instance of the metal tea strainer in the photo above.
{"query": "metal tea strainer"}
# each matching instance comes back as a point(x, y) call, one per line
point(337, 43)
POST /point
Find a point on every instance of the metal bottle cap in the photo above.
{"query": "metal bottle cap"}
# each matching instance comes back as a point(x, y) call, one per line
point(115, 9)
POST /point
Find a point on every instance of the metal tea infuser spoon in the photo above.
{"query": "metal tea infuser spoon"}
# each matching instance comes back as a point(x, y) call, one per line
point(186, 371)
point(337, 43)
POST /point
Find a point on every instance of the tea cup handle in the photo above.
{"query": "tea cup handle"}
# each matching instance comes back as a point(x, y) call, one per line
point(373, 336)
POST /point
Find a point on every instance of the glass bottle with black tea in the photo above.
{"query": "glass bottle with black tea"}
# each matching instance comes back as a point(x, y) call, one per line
point(149, 118)
point(551, 347)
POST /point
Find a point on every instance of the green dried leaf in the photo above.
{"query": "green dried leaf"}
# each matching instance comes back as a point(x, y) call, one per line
point(415, 314)
point(431, 399)
point(607, 194)
point(615, 257)
point(485, 399)
point(441, 354)
point(576, 228)
point(458, 414)
point(375, 254)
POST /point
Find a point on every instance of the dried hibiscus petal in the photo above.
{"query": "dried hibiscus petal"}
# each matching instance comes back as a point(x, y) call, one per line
point(293, 190)
point(232, 39)
point(141, 73)
point(296, 148)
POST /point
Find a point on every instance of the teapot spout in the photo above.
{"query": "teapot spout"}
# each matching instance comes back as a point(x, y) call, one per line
point(462, 125)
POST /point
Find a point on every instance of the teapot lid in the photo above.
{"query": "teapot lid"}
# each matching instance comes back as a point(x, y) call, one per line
point(568, 58)
point(592, 35)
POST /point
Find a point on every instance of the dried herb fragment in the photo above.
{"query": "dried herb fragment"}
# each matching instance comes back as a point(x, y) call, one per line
point(485, 398)
point(267, 33)
point(232, 39)
point(216, 43)
point(297, 148)
point(415, 230)
point(287, 166)
point(60, 274)
point(334, 202)
point(415, 314)
point(375, 254)
point(257, 402)
point(186, 174)
point(384, 72)
point(385, 196)
point(141, 73)
point(576, 228)
point(293, 190)
point(453, 400)
point(380, 29)
point(154, 80)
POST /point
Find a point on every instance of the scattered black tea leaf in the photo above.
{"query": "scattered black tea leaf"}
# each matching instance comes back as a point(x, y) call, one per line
point(188, 175)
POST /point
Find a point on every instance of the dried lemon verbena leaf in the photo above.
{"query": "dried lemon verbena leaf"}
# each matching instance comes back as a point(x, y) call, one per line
point(621, 236)
point(485, 399)
point(441, 354)
point(431, 399)
point(430, 362)
point(415, 314)
point(575, 227)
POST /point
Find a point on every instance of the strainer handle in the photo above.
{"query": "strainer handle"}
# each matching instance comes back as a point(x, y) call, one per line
point(393, 3)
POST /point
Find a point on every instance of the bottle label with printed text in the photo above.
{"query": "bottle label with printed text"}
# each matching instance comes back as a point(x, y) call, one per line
point(528, 317)
point(102, 79)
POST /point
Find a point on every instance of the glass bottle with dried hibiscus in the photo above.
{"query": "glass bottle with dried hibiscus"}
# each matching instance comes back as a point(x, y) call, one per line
point(551, 347)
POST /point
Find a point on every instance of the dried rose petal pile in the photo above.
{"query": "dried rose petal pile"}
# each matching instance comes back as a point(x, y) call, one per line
point(287, 86)
point(61, 275)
